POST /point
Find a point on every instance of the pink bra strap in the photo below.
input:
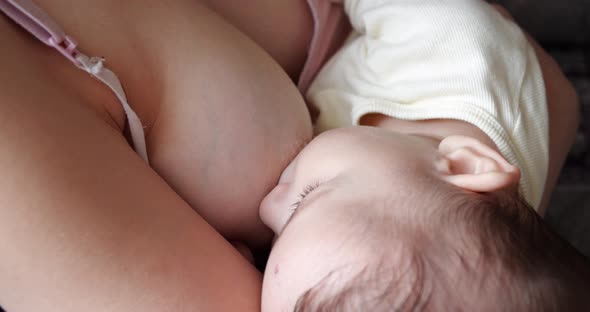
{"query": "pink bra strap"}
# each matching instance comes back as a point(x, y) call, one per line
point(39, 24)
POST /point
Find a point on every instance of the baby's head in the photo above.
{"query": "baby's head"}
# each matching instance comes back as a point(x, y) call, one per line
point(392, 222)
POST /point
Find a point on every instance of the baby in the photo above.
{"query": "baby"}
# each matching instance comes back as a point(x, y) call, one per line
point(425, 187)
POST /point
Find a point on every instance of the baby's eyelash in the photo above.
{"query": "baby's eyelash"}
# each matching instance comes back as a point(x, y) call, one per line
point(306, 191)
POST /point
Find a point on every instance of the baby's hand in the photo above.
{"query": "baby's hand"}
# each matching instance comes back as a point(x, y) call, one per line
point(244, 250)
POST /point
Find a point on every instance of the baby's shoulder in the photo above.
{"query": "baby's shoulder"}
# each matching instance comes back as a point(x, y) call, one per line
point(461, 21)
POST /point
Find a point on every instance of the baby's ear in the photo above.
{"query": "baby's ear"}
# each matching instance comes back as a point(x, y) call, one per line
point(475, 166)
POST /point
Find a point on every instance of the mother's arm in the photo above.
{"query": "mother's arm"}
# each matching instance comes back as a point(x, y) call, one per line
point(564, 114)
point(564, 119)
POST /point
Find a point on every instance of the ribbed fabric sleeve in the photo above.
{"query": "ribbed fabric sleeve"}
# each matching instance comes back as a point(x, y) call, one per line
point(441, 59)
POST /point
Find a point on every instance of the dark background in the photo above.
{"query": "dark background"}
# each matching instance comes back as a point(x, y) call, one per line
point(563, 28)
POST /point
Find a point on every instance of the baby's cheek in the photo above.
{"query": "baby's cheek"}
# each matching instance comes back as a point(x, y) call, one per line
point(282, 277)
point(272, 291)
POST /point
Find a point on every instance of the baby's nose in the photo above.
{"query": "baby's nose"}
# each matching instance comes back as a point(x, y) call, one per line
point(289, 172)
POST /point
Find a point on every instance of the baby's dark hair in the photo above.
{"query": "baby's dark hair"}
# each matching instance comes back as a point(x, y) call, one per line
point(468, 252)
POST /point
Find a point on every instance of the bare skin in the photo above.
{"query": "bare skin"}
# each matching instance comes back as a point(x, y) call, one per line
point(283, 28)
point(85, 224)
point(78, 205)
